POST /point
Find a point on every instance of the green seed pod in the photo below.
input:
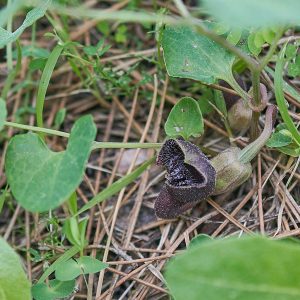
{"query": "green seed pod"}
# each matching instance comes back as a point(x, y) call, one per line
point(239, 116)
point(233, 165)
point(190, 178)
point(231, 173)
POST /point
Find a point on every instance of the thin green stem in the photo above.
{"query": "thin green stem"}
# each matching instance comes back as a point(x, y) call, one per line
point(96, 145)
point(232, 82)
point(9, 45)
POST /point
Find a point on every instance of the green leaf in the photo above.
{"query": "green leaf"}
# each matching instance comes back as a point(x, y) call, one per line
point(279, 95)
point(254, 13)
point(188, 54)
point(3, 113)
point(280, 139)
point(72, 268)
point(185, 119)
point(35, 14)
point(249, 268)
point(55, 289)
point(14, 284)
point(199, 240)
point(41, 179)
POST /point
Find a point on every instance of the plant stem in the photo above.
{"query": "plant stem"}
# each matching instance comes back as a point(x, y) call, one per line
point(232, 82)
point(96, 145)
point(9, 45)
point(250, 151)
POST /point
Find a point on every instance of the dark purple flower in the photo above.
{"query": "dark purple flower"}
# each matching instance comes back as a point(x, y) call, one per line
point(190, 178)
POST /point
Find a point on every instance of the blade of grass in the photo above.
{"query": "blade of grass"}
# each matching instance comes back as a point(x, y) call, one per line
point(12, 74)
point(278, 82)
point(44, 82)
point(116, 186)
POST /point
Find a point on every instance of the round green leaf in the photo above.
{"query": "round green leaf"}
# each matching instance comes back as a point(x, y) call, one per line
point(55, 289)
point(249, 268)
point(3, 113)
point(185, 119)
point(14, 284)
point(280, 139)
point(188, 54)
point(41, 179)
point(72, 268)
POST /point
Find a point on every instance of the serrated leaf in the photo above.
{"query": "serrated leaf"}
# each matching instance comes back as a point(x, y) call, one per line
point(249, 268)
point(41, 179)
point(35, 14)
point(3, 113)
point(279, 139)
point(185, 119)
point(254, 13)
point(188, 54)
point(72, 268)
point(14, 284)
point(55, 289)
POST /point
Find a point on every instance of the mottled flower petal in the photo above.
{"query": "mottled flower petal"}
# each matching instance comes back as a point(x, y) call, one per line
point(190, 178)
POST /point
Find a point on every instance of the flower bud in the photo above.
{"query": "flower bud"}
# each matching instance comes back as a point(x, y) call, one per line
point(233, 165)
point(239, 116)
point(190, 178)
point(231, 173)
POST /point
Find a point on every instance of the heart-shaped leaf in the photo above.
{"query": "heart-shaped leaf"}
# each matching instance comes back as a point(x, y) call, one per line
point(41, 179)
point(72, 268)
point(55, 289)
point(14, 284)
point(35, 14)
point(3, 113)
point(188, 54)
point(185, 119)
point(251, 267)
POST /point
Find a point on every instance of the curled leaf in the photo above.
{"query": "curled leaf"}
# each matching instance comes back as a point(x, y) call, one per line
point(190, 178)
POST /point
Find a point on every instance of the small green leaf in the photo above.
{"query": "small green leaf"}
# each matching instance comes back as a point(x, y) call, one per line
point(234, 36)
point(14, 284)
point(3, 113)
point(35, 14)
point(185, 119)
point(188, 54)
point(199, 240)
point(72, 268)
point(60, 117)
point(248, 13)
point(55, 289)
point(252, 45)
point(248, 268)
point(280, 139)
point(41, 179)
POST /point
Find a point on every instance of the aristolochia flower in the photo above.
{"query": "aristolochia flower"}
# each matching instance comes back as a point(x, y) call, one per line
point(190, 178)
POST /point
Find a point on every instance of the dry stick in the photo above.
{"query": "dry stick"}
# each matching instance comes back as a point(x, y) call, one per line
point(144, 179)
point(155, 136)
point(97, 186)
point(228, 216)
point(117, 206)
point(141, 260)
point(160, 289)
point(259, 194)
point(28, 245)
point(121, 281)
point(138, 201)
point(243, 202)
